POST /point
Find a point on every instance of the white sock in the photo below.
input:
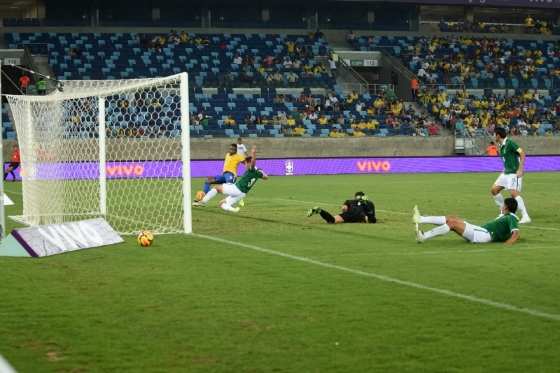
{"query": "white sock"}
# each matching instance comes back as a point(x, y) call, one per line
point(521, 206)
point(438, 220)
point(437, 231)
point(211, 194)
point(499, 199)
point(227, 207)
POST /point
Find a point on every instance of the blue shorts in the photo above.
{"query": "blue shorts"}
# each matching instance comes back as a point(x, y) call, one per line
point(225, 178)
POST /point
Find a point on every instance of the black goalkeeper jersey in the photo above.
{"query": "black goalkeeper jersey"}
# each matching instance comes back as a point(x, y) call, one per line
point(363, 207)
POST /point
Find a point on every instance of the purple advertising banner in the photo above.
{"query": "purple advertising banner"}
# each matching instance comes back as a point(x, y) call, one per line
point(292, 166)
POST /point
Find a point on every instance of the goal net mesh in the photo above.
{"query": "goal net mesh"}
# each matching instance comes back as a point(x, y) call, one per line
point(105, 148)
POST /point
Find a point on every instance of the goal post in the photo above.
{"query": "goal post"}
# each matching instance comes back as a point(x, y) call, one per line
point(119, 149)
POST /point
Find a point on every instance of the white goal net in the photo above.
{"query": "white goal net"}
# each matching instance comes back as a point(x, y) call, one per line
point(118, 149)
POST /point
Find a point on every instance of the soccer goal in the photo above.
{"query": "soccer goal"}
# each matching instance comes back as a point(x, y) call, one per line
point(119, 149)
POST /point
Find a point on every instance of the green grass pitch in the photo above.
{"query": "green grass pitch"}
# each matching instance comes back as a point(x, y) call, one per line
point(282, 292)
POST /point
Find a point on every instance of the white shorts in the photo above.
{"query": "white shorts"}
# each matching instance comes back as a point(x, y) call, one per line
point(233, 194)
point(509, 182)
point(476, 234)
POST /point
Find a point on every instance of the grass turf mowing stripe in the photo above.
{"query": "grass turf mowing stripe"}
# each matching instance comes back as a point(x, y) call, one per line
point(393, 212)
point(380, 277)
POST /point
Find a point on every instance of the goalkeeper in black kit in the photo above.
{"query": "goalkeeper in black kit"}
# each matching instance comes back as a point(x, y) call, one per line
point(357, 210)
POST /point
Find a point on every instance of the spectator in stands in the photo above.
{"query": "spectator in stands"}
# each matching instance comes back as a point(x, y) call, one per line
point(241, 148)
point(414, 87)
point(230, 121)
point(394, 79)
point(14, 163)
point(41, 86)
point(24, 81)
point(492, 149)
point(350, 37)
point(336, 133)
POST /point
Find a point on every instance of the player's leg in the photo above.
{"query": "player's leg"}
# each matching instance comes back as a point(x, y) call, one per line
point(325, 215)
point(452, 223)
point(440, 230)
point(211, 194)
point(229, 203)
point(209, 180)
point(500, 184)
point(474, 233)
point(515, 186)
point(234, 195)
point(419, 219)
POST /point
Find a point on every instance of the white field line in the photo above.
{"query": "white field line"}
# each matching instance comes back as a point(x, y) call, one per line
point(392, 280)
point(5, 367)
point(394, 212)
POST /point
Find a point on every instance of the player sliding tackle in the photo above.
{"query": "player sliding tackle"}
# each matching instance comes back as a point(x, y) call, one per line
point(238, 191)
point(502, 229)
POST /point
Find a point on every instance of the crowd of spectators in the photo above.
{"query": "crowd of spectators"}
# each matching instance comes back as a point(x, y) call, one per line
point(531, 25)
point(351, 115)
point(457, 60)
point(479, 27)
point(249, 67)
point(534, 25)
point(158, 42)
point(524, 113)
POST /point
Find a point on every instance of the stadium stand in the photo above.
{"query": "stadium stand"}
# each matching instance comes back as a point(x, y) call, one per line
point(474, 62)
point(272, 114)
point(525, 113)
point(211, 59)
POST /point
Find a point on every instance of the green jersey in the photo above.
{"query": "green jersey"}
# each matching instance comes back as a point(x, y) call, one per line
point(510, 156)
point(249, 178)
point(501, 228)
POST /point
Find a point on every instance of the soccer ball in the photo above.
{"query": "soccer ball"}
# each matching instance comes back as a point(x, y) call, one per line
point(145, 238)
point(199, 196)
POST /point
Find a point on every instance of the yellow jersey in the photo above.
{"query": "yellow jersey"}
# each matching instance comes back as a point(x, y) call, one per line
point(231, 162)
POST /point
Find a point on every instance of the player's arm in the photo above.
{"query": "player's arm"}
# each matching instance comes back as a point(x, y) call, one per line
point(264, 175)
point(514, 237)
point(521, 168)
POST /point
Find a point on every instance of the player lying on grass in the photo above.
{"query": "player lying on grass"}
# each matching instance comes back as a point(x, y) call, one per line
point(236, 192)
point(357, 210)
point(502, 229)
point(231, 162)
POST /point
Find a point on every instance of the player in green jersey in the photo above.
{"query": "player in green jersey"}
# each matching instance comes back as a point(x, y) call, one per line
point(236, 192)
point(502, 229)
point(511, 177)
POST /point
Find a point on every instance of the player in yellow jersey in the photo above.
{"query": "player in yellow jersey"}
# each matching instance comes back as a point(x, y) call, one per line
point(231, 162)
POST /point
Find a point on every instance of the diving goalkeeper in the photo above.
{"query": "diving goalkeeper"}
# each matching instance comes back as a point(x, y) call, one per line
point(357, 210)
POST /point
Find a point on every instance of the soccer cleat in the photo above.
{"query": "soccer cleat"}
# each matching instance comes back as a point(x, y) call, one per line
point(313, 211)
point(234, 209)
point(419, 235)
point(416, 216)
point(198, 204)
point(525, 220)
point(241, 203)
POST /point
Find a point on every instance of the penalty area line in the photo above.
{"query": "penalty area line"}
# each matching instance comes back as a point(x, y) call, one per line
point(388, 279)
